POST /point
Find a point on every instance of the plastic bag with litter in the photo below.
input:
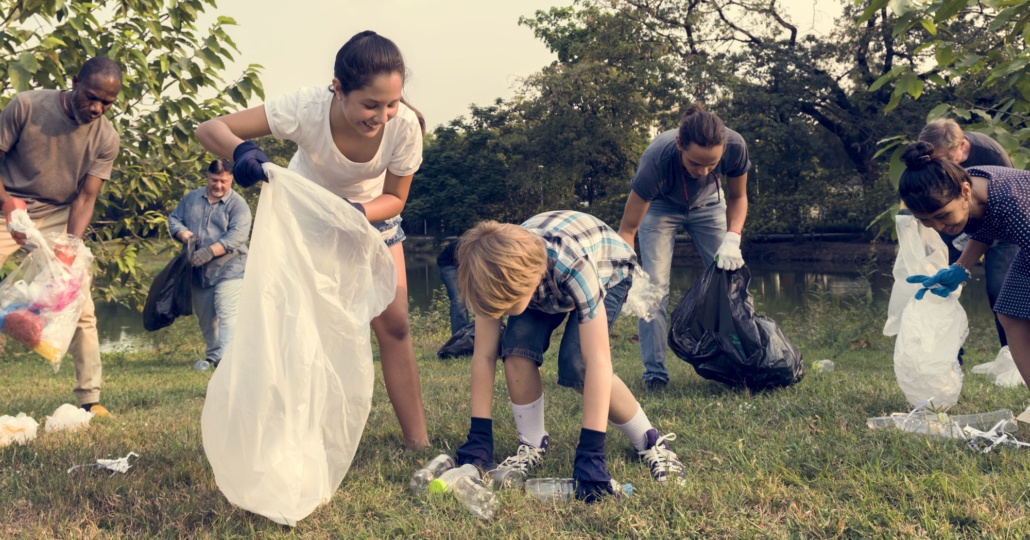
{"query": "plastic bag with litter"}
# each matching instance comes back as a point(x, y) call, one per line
point(17, 429)
point(1002, 370)
point(41, 300)
point(287, 405)
point(68, 417)
point(920, 252)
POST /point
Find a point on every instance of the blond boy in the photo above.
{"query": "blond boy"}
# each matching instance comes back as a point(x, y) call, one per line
point(553, 265)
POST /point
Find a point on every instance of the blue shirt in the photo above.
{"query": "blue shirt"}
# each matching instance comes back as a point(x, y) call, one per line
point(226, 221)
point(585, 258)
point(661, 175)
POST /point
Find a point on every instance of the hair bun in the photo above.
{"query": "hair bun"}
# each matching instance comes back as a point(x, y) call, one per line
point(918, 155)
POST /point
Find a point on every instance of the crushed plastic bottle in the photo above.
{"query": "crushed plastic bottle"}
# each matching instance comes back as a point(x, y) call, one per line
point(500, 478)
point(431, 471)
point(443, 483)
point(479, 499)
point(823, 366)
point(943, 424)
point(564, 489)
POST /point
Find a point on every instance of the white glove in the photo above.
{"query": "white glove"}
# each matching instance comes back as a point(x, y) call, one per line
point(729, 257)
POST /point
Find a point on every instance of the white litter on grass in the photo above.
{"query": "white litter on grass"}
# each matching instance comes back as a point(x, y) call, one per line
point(1002, 370)
point(17, 429)
point(942, 424)
point(120, 465)
point(985, 441)
point(68, 417)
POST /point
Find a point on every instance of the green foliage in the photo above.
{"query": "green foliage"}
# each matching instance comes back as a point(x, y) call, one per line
point(172, 81)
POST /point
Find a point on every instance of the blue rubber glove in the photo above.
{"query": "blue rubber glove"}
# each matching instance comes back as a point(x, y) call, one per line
point(590, 471)
point(479, 448)
point(246, 170)
point(357, 206)
point(943, 283)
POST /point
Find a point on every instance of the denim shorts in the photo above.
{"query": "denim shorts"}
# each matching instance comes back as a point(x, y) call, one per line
point(390, 230)
point(529, 335)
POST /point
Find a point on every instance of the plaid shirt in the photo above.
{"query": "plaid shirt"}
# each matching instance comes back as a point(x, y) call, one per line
point(585, 258)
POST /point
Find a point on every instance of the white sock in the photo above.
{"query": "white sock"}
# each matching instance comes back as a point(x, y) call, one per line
point(529, 421)
point(636, 429)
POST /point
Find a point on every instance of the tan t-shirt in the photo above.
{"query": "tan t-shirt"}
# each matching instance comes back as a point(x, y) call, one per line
point(47, 155)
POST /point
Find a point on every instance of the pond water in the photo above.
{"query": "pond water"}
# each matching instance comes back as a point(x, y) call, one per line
point(779, 290)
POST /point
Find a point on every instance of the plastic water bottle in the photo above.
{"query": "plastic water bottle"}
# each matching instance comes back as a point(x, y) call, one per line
point(202, 365)
point(443, 483)
point(422, 477)
point(505, 478)
point(823, 366)
point(564, 489)
point(475, 496)
point(942, 424)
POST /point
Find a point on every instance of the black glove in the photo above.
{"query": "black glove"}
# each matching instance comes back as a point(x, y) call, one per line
point(247, 168)
point(589, 471)
point(202, 256)
point(357, 206)
point(479, 448)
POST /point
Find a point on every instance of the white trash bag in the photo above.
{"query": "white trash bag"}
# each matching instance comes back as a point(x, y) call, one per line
point(1002, 370)
point(287, 405)
point(930, 331)
point(17, 429)
point(921, 251)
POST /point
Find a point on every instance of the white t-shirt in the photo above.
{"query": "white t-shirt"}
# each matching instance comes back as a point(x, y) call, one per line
point(303, 117)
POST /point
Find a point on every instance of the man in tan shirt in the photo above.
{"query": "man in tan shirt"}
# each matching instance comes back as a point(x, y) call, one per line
point(56, 151)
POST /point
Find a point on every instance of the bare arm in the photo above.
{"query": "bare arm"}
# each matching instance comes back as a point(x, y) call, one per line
point(222, 135)
point(736, 203)
point(632, 215)
point(81, 211)
point(972, 253)
point(393, 199)
point(484, 365)
point(597, 383)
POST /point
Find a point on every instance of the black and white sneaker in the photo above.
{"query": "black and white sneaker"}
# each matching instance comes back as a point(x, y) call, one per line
point(664, 463)
point(527, 456)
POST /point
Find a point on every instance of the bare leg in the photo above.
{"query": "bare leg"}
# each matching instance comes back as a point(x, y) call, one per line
point(623, 406)
point(400, 371)
point(1018, 333)
point(523, 378)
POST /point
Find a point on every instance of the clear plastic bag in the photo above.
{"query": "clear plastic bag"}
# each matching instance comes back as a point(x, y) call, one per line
point(1002, 370)
point(920, 252)
point(41, 300)
point(286, 407)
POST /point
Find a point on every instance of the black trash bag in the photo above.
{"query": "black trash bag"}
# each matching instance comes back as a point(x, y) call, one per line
point(716, 330)
point(461, 343)
point(170, 294)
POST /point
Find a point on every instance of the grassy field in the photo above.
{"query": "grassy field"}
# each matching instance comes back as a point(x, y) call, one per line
point(791, 463)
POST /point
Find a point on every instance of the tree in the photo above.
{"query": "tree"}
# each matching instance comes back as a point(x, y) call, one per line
point(172, 81)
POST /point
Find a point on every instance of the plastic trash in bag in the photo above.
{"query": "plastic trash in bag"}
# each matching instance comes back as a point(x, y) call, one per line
point(171, 294)
point(921, 252)
point(41, 300)
point(287, 405)
point(930, 331)
point(17, 429)
point(68, 417)
point(715, 329)
point(1002, 370)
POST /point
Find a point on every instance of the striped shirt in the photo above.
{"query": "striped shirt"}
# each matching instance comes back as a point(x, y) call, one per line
point(585, 258)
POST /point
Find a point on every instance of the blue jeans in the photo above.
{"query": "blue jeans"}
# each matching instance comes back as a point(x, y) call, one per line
point(459, 313)
point(706, 225)
point(215, 308)
point(997, 261)
point(529, 335)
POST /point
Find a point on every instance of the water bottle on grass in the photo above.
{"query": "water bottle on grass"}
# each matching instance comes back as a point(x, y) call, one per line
point(504, 478)
point(446, 481)
point(475, 496)
point(564, 489)
point(432, 470)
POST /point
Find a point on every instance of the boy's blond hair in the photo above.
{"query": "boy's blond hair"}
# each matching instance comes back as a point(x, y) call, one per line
point(498, 264)
point(944, 134)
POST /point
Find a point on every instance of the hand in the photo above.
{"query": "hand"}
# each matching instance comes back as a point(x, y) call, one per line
point(65, 254)
point(184, 236)
point(943, 283)
point(479, 448)
point(202, 256)
point(11, 205)
point(357, 206)
point(729, 257)
point(589, 470)
point(247, 167)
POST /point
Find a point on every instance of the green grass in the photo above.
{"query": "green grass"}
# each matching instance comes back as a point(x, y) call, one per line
point(797, 462)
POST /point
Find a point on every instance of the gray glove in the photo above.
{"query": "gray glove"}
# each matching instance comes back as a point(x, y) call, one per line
point(202, 256)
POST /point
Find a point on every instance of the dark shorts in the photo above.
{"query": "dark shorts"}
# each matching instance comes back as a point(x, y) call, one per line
point(529, 335)
point(391, 230)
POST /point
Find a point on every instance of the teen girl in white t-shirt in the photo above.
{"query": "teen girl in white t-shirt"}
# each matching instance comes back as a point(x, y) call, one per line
point(360, 141)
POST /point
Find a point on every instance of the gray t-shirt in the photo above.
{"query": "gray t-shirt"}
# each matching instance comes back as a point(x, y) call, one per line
point(47, 155)
point(661, 175)
point(984, 150)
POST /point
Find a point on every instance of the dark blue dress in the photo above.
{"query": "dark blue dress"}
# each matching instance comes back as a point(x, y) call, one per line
point(1008, 218)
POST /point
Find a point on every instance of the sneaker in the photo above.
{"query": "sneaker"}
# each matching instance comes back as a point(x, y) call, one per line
point(663, 462)
point(98, 410)
point(655, 385)
point(527, 457)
